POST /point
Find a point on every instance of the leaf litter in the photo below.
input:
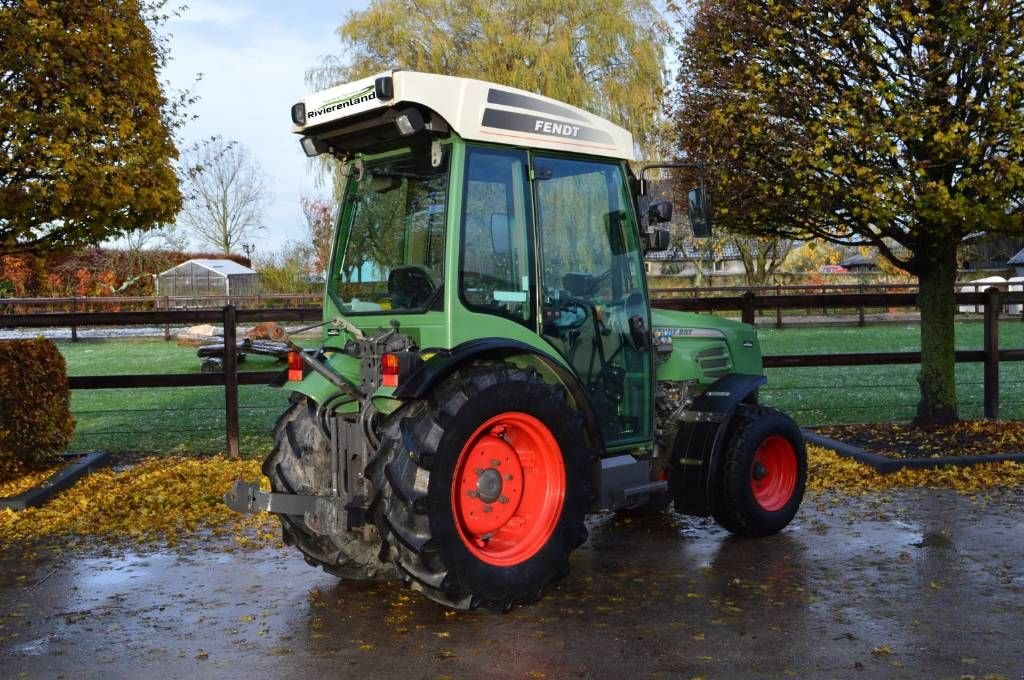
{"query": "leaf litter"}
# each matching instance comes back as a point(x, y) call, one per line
point(166, 499)
point(904, 440)
point(174, 498)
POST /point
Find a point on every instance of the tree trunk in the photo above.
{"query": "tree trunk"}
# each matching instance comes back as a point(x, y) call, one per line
point(937, 379)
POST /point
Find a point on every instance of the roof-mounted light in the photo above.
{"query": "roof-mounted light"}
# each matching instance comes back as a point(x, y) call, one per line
point(384, 88)
point(312, 147)
point(409, 122)
point(299, 113)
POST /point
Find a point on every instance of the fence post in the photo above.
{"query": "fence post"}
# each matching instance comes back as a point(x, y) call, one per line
point(991, 342)
point(167, 307)
point(778, 310)
point(747, 309)
point(860, 310)
point(74, 329)
point(231, 380)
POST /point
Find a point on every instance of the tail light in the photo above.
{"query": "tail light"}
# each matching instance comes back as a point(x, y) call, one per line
point(394, 365)
point(295, 372)
point(390, 368)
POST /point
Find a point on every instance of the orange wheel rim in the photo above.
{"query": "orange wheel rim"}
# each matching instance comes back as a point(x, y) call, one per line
point(773, 473)
point(508, 489)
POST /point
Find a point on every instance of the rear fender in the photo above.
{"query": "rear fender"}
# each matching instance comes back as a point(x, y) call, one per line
point(697, 452)
point(442, 364)
point(318, 388)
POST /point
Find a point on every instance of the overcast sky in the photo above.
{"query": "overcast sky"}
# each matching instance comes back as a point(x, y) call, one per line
point(253, 56)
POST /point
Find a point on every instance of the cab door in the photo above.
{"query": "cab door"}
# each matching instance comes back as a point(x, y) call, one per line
point(594, 305)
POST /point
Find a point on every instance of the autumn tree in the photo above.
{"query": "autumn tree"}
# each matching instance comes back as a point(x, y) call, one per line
point(897, 124)
point(318, 213)
point(762, 256)
point(85, 132)
point(604, 57)
point(225, 193)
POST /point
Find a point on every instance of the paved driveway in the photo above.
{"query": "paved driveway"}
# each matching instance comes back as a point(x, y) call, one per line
point(915, 584)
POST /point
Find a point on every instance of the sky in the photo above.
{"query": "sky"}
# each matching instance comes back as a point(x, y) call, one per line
point(253, 58)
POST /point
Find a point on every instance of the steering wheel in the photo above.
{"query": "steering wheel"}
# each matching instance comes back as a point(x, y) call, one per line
point(410, 286)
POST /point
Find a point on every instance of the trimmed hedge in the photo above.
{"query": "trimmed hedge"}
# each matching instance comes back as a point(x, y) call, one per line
point(35, 405)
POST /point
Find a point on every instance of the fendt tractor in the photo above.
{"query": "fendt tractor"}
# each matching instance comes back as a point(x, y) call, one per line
point(491, 370)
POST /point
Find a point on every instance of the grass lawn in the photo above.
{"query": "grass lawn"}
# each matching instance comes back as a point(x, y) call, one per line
point(192, 419)
point(858, 394)
point(165, 420)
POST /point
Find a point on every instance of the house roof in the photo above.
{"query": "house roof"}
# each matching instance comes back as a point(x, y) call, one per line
point(1017, 259)
point(690, 253)
point(222, 267)
point(858, 261)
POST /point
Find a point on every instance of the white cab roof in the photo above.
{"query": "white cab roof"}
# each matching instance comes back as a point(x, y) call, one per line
point(475, 110)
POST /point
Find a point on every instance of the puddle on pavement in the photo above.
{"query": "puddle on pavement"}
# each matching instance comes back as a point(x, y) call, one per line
point(108, 576)
point(669, 595)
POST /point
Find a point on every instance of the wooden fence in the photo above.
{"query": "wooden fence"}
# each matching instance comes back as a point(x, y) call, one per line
point(230, 378)
point(114, 304)
point(992, 300)
point(748, 304)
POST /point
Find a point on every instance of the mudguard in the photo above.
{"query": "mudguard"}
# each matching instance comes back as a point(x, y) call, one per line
point(442, 364)
point(696, 454)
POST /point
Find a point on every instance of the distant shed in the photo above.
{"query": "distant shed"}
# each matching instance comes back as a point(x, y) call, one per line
point(859, 264)
point(1017, 262)
point(196, 278)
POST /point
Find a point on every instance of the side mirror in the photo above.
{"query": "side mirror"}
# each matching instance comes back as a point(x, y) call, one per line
point(658, 240)
point(700, 213)
point(659, 212)
point(501, 241)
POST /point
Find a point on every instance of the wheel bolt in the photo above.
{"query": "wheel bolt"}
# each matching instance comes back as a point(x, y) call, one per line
point(495, 463)
point(478, 471)
point(508, 478)
point(472, 494)
point(488, 508)
point(503, 499)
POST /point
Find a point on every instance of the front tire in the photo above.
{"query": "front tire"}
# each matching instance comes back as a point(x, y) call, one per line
point(763, 473)
point(483, 487)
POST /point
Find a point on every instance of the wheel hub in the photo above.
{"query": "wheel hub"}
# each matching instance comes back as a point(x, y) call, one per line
point(759, 472)
point(773, 474)
point(488, 486)
point(508, 489)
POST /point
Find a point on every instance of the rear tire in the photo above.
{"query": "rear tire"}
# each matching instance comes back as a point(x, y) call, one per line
point(300, 464)
point(763, 473)
point(483, 487)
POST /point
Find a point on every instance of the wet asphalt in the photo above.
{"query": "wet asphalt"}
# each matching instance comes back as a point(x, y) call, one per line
point(912, 584)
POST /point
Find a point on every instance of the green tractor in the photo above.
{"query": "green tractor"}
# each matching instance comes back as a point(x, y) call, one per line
point(491, 369)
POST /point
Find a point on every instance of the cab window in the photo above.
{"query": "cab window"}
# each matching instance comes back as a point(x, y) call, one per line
point(495, 258)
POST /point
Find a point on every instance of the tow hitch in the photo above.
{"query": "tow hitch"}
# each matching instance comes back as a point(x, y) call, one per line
point(324, 515)
point(249, 499)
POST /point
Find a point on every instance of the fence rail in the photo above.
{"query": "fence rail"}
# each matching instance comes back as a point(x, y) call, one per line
point(164, 301)
point(990, 355)
point(779, 289)
point(230, 378)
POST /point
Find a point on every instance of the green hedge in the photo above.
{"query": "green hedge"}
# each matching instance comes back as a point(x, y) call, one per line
point(35, 405)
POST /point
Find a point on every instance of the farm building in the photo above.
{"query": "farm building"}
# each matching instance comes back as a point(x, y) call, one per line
point(859, 264)
point(196, 278)
point(685, 261)
point(1017, 262)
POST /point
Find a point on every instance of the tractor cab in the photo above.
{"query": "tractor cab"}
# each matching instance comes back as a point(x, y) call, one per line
point(473, 210)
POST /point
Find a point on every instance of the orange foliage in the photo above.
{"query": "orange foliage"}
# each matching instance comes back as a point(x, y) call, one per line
point(91, 272)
